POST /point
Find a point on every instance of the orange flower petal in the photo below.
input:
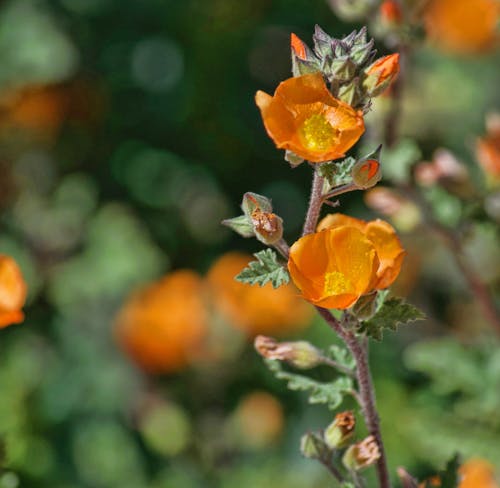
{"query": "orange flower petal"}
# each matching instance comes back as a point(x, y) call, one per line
point(389, 251)
point(337, 219)
point(333, 268)
point(305, 118)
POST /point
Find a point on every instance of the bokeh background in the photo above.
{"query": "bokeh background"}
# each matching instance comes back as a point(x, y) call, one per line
point(128, 131)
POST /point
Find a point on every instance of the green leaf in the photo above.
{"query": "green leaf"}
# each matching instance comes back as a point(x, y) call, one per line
point(449, 477)
point(241, 225)
point(330, 394)
point(399, 159)
point(266, 269)
point(393, 312)
point(342, 356)
point(337, 173)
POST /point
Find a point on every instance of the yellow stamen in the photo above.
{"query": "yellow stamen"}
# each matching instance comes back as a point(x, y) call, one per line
point(337, 284)
point(317, 133)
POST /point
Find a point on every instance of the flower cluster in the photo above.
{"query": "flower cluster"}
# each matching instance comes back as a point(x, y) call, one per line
point(12, 292)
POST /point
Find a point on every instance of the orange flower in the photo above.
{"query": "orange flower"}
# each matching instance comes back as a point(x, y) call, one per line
point(477, 473)
point(335, 267)
point(462, 26)
point(305, 118)
point(162, 325)
point(12, 292)
point(346, 259)
point(254, 309)
point(383, 237)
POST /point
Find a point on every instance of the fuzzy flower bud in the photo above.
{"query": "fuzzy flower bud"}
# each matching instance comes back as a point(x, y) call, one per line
point(366, 174)
point(310, 446)
point(268, 227)
point(381, 74)
point(299, 354)
point(362, 454)
point(340, 430)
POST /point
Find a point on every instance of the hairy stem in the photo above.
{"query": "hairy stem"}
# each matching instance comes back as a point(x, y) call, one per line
point(315, 203)
point(366, 390)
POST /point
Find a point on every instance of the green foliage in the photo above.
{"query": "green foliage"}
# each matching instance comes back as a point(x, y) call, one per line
point(399, 159)
point(337, 173)
point(449, 477)
point(446, 207)
point(394, 311)
point(266, 269)
point(330, 394)
point(342, 356)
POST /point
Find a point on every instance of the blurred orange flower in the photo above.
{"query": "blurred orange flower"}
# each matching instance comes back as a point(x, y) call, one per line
point(462, 26)
point(305, 118)
point(255, 309)
point(383, 237)
point(162, 326)
point(12, 292)
point(258, 419)
point(477, 473)
point(390, 11)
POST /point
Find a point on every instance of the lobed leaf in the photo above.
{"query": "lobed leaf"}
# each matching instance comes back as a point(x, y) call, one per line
point(266, 269)
point(330, 394)
point(393, 312)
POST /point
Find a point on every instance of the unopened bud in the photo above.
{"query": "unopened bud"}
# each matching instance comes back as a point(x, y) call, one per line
point(303, 59)
point(340, 430)
point(366, 174)
point(311, 446)
point(252, 201)
point(362, 454)
point(299, 354)
point(381, 74)
point(268, 227)
point(293, 159)
point(298, 46)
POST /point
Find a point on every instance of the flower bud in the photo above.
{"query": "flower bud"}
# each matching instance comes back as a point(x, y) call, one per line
point(362, 454)
point(381, 74)
point(366, 173)
point(303, 59)
point(293, 159)
point(299, 354)
point(366, 306)
point(252, 201)
point(311, 447)
point(340, 430)
point(268, 227)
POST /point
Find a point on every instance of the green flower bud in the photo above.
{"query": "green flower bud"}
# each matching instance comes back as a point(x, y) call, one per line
point(340, 430)
point(362, 454)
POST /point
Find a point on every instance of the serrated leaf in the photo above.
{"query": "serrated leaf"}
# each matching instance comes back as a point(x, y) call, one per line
point(330, 394)
point(393, 312)
point(266, 269)
point(242, 225)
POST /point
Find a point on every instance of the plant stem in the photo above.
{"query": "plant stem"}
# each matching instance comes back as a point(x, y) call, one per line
point(340, 189)
point(366, 390)
point(332, 469)
point(315, 203)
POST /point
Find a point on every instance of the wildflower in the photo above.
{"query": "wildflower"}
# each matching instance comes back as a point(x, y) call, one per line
point(362, 454)
point(382, 235)
point(12, 292)
point(477, 473)
point(462, 26)
point(381, 74)
point(335, 267)
point(366, 173)
point(254, 309)
point(162, 325)
point(305, 118)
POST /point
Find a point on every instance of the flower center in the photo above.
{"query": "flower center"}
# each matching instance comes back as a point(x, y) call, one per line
point(337, 284)
point(317, 133)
